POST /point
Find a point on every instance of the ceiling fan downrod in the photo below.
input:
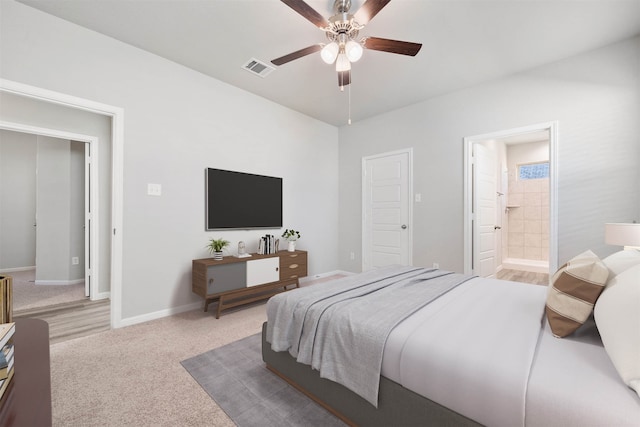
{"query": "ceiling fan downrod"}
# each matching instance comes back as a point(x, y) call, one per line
point(342, 6)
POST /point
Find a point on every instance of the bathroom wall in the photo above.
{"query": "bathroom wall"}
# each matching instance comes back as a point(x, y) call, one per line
point(528, 201)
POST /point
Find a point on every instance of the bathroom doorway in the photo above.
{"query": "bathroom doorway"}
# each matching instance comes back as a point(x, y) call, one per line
point(525, 223)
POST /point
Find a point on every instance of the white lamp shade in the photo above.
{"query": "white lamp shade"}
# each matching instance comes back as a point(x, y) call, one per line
point(622, 234)
point(342, 63)
point(353, 50)
point(329, 53)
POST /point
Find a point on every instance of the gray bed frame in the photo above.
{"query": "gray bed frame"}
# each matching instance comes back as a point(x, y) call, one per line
point(397, 406)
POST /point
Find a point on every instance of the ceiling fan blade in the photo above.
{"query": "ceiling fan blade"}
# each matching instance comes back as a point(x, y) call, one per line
point(392, 46)
point(307, 12)
point(344, 78)
point(297, 54)
point(368, 10)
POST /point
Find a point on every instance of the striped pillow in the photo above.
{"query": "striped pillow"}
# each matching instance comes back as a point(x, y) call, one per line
point(574, 289)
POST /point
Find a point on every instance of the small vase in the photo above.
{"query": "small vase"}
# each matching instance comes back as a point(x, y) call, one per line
point(217, 256)
point(292, 246)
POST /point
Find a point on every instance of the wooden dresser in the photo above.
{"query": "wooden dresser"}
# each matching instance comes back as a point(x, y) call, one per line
point(27, 400)
point(236, 281)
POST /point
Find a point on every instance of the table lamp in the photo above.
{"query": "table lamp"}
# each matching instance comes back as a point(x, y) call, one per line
point(622, 234)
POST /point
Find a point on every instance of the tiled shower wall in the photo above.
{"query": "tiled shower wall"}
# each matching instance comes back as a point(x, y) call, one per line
point(528, 235)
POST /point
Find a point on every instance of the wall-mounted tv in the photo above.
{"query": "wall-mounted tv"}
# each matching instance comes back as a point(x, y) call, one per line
point(237, 200)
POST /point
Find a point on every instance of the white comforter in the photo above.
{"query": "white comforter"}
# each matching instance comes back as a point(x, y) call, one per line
point(485, 351)
point(471, 350)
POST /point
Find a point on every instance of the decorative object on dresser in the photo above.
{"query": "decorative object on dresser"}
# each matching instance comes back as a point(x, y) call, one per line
point(292, 236)
point(268, 244)
point(237, 281)
point(242, 252)
point(6, 299)
point(216, 246)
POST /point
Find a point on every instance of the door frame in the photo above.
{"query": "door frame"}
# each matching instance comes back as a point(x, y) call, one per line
point(91, 271)
point(116, 114)
point(552, 128)
point(409, 153)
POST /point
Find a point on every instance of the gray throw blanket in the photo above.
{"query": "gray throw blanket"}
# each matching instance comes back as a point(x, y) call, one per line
point(340, 328)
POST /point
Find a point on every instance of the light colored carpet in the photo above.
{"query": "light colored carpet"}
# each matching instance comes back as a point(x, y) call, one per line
point(237, 379)
point(27, 295)
point(132, 376)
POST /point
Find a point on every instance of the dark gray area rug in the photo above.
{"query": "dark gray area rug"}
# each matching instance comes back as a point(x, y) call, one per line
point(237, 379)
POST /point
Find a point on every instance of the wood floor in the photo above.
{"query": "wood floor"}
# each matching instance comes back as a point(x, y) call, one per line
point(524, 277)
point(72, 320)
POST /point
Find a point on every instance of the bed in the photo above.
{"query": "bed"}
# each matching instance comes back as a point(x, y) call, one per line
point(478, 352)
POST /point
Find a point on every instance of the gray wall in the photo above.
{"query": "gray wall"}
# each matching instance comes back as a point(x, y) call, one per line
point(53, 210)
point(55, 195)
point(18, 154)
point(595, 99)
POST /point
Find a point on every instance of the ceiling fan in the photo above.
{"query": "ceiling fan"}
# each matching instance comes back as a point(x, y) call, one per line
point(342, 31)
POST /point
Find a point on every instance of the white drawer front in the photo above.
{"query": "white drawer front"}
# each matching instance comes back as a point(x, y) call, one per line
point(261, 271)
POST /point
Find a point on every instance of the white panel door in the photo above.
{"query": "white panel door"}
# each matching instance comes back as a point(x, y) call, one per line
point(484, 208)
point(386, 210)
point(261, 271)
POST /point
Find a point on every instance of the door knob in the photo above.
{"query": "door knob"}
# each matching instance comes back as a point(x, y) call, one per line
point(497, 227)
point(404, 226)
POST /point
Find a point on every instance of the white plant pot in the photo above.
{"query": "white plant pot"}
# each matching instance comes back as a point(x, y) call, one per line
point(292, 246)
point(217, 256)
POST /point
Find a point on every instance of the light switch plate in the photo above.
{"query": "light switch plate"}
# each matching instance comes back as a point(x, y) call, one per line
point(154, 189)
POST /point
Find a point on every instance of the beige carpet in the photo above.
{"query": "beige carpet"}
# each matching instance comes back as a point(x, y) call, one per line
point(27, 295)
point(132, 376)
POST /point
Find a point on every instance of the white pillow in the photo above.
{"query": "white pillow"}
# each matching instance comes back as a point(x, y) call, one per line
point(621, 261)
point(617, 314)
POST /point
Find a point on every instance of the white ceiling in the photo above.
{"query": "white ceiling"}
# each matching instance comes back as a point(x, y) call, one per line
point(464, 43)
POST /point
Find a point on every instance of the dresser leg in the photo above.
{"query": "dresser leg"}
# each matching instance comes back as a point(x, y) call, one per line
point(220, 300)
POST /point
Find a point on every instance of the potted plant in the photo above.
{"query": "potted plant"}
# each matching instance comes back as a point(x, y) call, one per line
point(216, 246)
point(291, 235)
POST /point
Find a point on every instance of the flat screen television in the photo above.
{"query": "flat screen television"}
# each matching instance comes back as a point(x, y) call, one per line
point(237, 200)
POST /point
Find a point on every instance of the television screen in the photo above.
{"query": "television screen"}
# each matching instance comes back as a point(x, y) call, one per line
point(242, 200)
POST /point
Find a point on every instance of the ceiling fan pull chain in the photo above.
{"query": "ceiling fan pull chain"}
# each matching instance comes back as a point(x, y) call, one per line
point(349, 118)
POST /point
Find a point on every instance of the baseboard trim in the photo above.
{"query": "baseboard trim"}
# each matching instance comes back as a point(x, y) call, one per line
point(59, 282)
point(101, 295)
point(129, 321)
point(16, 269)
point(323, 275)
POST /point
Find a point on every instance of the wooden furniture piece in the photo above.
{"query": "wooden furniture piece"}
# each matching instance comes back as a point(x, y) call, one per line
point(27, 400)
point(6, 299)
point(236, 281)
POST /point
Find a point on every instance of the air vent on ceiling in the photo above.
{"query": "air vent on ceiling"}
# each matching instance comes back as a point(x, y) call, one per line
point(258, 68)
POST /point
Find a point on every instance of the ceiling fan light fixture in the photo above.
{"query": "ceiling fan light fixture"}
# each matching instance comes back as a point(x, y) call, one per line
point(342, 63)
point(353, 50)
point(329, 52)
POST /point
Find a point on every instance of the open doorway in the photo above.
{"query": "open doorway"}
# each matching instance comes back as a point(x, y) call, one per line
point(30, 106)
point(512, 225)
point(47, 216)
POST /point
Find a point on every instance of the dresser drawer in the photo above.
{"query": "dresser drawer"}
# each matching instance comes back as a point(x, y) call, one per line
point(293, 265)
